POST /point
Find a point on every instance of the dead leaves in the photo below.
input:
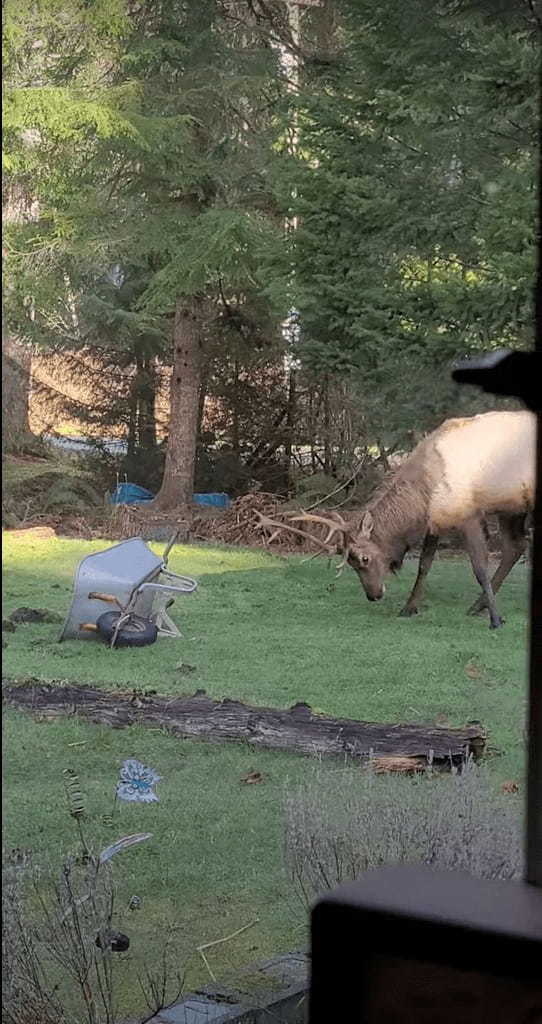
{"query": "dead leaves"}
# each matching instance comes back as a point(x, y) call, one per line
point(473, 670)
point(510, 787)
point(184, 669)
point(252, 777)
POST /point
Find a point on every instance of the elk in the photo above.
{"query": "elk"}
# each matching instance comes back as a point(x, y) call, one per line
point(465, 470)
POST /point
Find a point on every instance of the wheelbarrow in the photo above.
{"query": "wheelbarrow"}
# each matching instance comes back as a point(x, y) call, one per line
point(137, 583)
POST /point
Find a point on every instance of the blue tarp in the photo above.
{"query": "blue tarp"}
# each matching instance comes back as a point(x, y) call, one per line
point(132, 494)
point(218, 500)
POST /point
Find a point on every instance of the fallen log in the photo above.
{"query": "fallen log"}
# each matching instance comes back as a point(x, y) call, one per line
point(296, 730)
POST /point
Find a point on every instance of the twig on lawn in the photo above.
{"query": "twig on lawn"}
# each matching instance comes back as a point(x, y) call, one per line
point(216, 942)
point(207, 964)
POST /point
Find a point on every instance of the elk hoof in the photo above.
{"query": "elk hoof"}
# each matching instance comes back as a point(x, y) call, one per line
point(407, 612)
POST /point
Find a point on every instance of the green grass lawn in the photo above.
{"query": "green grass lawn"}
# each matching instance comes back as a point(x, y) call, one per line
point(268, 631)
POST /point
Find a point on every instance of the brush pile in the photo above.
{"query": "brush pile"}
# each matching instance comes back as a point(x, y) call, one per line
point(124, 521)
point(239, 524)
point(236, 525)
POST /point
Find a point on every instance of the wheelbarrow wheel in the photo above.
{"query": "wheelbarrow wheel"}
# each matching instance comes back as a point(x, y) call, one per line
point(136, 632)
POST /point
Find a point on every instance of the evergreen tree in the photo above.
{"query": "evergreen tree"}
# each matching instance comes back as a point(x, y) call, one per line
point(165, 171)
point(415, 193)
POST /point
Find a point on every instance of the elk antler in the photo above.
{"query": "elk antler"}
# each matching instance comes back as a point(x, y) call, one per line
point(334, 525)
point(267, 523)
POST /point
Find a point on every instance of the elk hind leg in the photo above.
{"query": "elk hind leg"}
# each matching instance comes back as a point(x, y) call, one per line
point(478, 554)
point(514, 542)
point(427, 555)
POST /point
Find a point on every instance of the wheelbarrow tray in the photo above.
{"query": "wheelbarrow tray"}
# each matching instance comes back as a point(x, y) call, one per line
point(132, 574)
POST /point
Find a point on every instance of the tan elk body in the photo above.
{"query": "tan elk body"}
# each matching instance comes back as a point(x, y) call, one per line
point(466, 469)
point(483, 464)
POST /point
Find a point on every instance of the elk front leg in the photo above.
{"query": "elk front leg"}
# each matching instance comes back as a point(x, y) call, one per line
point(478, 554)
point(427, 555)
point(514, 543)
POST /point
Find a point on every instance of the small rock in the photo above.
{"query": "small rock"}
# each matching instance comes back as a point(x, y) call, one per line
point(35, 615)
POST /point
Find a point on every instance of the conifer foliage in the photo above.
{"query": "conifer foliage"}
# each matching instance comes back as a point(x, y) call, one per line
point(175, 225)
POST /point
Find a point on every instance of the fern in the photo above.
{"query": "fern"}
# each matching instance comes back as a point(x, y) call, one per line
point(75, 494)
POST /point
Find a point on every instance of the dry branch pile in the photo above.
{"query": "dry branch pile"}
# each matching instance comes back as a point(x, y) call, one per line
point(239, 524)
point(125, 521)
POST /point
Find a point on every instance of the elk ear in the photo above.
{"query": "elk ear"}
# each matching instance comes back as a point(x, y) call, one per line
point(366, 525)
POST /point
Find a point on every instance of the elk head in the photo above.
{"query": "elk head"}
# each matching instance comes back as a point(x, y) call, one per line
point(352, 541)
point(366, 559)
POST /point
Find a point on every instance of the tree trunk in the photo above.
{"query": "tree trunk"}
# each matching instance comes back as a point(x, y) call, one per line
point(178, 482)
point(204, 379)
point(16, 355)
point(328, 457)
point(16, 369)
point(235, 435)
point(290, 427)
point(132, 419)
point(146, 418)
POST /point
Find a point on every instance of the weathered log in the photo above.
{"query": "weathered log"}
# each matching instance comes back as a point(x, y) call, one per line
point(296, 730)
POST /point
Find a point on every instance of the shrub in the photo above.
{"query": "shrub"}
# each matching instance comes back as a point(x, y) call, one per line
point(59, 939)
point(339, 824)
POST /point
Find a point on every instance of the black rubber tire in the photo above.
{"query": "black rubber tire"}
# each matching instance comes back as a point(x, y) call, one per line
point(136, 632)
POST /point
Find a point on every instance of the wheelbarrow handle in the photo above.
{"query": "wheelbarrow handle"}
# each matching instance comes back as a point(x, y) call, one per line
point(109, 598)
point(169, 546)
